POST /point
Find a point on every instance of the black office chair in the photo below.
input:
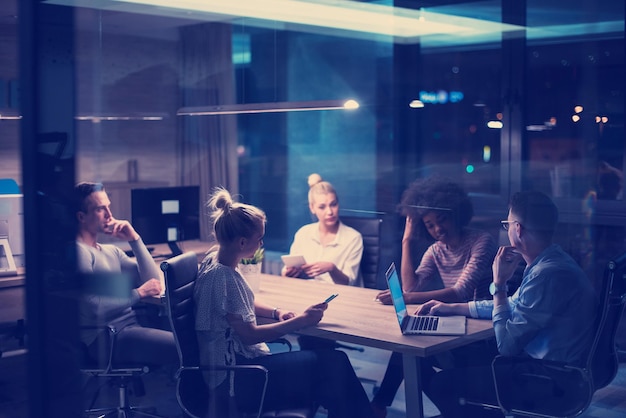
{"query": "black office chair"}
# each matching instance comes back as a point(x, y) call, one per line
point(191, 391)
point(369, 228)
point(370, 231)
point(123, 378)
point(13, 329)
point(538, 388)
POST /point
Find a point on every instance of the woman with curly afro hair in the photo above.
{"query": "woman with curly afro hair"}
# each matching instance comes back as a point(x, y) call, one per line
point(455, 268)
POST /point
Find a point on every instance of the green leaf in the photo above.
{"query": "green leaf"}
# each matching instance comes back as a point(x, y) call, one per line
point(256, 259)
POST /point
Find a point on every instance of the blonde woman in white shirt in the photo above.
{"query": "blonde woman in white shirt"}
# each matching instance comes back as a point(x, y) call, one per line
point(331, 249)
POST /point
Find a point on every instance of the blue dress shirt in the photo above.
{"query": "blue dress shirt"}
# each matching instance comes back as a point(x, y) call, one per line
point(552, 313)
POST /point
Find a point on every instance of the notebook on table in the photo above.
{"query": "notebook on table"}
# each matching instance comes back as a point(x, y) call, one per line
point(422, 324)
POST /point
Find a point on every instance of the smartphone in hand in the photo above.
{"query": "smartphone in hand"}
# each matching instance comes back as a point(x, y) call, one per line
point(331, 297)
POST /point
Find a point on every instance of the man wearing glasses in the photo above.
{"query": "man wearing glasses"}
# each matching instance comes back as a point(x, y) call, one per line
point(550, 316)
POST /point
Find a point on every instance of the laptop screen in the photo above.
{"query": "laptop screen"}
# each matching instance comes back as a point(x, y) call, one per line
point(393, 281)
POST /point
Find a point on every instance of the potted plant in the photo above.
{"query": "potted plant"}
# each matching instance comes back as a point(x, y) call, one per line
point(250, 269)
point(256, 259)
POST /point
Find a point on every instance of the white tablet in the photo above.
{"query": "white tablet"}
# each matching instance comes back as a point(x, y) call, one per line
point(293, 260)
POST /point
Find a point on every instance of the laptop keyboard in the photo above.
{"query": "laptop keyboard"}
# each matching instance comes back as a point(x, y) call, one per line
point(425, 323)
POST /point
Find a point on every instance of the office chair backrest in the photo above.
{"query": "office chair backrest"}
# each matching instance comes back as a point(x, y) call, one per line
point(603, 359)
point(543, 388)
point(180, 276)
point(370, 231)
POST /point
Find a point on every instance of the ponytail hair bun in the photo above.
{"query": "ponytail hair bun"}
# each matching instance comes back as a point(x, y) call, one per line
point(317, 186)
point(314, 179)
point(233, 220)
point(222, 200)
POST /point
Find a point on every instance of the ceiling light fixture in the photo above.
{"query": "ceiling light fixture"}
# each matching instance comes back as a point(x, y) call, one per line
point(5, 116)
point(102, 118)
point(271, 107)
point(343, 15)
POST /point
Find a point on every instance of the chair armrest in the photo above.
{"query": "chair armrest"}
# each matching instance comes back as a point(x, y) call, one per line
point(541, 387)
point(242, 367)
point(109, 327)
point(109, 369)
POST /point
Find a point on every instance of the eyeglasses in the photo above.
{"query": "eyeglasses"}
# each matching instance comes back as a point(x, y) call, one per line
point(505, 224)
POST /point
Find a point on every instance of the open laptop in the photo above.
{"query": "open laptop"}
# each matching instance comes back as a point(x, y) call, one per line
point(422, 324)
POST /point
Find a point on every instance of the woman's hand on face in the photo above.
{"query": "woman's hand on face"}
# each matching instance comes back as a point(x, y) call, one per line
point(384, 297)
point(408, 229)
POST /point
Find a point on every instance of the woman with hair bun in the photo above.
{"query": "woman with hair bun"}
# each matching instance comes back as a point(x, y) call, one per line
point(228, 333)
point(331, 249)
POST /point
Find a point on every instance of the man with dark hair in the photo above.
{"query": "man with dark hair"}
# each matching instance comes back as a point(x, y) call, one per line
point(114, 283)
point(549, 317)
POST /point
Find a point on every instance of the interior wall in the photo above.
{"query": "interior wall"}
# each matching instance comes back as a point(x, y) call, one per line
point(127, 76)
point(10, 160)
point(338, 145)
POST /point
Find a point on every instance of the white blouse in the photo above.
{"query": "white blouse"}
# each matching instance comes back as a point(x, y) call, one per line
point(345, 251)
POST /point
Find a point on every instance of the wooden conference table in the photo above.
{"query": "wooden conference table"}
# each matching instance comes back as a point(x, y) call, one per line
point(355, 317)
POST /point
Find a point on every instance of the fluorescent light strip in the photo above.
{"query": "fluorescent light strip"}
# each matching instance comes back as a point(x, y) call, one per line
point(347, 15)
point(272, 107)
point(108, 118)
point(570, 31)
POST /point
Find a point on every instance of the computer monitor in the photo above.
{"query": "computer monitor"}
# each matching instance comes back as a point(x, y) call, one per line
point(166, 214)
point(11, 234)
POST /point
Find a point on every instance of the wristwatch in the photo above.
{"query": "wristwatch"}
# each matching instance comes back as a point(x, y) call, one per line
point(494, 288)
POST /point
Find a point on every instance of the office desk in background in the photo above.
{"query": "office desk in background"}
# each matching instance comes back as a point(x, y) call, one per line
point(162, 252)
point(12, 281)
point(355, 317)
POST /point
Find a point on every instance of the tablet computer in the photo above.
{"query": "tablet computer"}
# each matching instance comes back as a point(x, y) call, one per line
point(293, 260)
